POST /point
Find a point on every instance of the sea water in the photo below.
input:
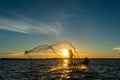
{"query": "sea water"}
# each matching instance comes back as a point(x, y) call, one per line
point(40, 70)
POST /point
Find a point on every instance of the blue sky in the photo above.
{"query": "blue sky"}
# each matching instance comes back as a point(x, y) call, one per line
point(92, 25)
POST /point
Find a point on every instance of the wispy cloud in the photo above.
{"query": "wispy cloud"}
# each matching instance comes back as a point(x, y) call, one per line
point(29, 26)
point(53, 22)
point(117, 49)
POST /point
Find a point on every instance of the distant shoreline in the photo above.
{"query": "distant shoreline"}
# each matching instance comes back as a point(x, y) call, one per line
point(57, 58)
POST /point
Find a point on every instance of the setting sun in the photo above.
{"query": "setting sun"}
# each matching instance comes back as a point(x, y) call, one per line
point(65, 52)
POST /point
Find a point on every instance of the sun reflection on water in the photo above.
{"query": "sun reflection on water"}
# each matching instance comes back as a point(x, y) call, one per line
point(62, 66)
point(65, 63)
point(65, 71)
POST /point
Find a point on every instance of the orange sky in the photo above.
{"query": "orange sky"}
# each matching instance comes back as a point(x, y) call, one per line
point(52, 55)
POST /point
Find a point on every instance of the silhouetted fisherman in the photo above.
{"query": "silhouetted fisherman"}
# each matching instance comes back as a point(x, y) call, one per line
point(86, 61)
point(70, 56)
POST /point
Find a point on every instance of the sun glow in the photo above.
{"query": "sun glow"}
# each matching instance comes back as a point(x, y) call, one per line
point(65, 52)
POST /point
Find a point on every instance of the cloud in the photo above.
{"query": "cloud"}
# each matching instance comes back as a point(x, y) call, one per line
point(117, 49)
point(29, 26)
